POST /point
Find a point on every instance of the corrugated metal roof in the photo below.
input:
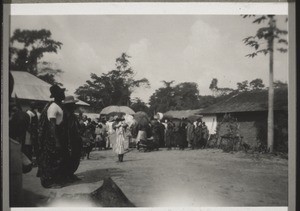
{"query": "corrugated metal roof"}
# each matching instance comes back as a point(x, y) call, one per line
point(249, 101)
point(178, 114)
point(30, 87)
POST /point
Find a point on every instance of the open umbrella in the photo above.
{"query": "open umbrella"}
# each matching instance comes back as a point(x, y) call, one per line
point(141, 118)
point(117, 109)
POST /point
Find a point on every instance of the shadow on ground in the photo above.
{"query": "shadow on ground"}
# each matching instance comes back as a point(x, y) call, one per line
point(97, 175)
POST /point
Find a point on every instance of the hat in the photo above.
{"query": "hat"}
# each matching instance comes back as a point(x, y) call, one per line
point(69, 99)
point(55, 89)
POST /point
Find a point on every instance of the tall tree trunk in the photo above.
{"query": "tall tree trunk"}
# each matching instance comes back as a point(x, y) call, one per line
point(271, 89)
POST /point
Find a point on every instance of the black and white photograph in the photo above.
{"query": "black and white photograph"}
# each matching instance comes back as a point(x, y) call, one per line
point(149, 110)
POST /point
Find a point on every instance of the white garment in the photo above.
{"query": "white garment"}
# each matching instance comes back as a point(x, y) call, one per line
point(119, 147)
point(31, 114)
point(55, 112)
point(109, 127)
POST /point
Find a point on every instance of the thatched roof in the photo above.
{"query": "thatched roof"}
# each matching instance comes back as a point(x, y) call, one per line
point(176, 114)
point(249, 101)
point(30, 87)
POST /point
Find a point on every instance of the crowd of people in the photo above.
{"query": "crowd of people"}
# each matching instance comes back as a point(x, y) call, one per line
point(55, 139)
point(173, 134)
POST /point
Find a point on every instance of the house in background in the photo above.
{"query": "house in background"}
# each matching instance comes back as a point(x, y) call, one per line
point(29, 88)
point(250, 109)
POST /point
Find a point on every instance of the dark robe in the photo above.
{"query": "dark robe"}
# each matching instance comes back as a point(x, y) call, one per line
point(73, 144)
point(197, 137)
point(50, 157)
point(169, 135)
point(156, 134)
point(205, 134)
point(161, 135)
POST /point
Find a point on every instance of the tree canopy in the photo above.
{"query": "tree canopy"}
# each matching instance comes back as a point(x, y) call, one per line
point(182, 96)
point(112, 88)
point(27, 47)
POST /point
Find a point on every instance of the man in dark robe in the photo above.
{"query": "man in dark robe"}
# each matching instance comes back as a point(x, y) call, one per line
point(169, 134)
point(51, 141)
point(156, 133)
point(73, 146)
point(182, 134)
point(205, 134)
point(197, 135)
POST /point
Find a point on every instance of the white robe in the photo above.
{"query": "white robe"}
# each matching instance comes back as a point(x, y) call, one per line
point(119, 146)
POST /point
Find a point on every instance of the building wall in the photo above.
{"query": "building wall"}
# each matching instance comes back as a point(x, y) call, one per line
point(211, 123)
point(253, 127)
point(248, 123)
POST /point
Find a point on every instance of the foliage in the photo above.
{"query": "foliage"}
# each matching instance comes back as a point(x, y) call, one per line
point(27, 47)
point(112, 88)
point(218, 91)
point(180, 97)
point(242, 86)
point(268, 33)
point(279, 84)
point(257, 84)
point(272, 34)
point(138, 105)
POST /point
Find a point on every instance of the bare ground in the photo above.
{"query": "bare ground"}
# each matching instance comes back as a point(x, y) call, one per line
point(206, 177)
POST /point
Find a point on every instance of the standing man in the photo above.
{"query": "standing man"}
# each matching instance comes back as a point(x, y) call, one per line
point(190, 134)
point(51, 140)
point(197, 134)
point(205, 134)
point(73, 139)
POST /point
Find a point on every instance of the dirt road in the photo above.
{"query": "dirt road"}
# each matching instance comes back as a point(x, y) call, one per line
point(180, 178)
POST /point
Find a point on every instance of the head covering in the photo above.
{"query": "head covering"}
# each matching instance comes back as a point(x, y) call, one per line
point(69, 99)
point(111, 119)
point(55, 90)
point(156, 116)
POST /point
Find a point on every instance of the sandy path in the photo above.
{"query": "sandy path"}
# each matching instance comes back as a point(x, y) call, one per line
point(181, 178)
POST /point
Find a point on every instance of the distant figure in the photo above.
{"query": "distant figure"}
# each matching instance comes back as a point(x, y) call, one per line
point(127, 135)
point(119, 147)
point(197, 135)
point(111, 135)
point(99, 137)
point(161, 134)
point(73, 139)
point(51, 140)
point(88, 142)
point(156, 133)
point(181, 135)
point(205, 134)
point(169, 134)
point(190, 133)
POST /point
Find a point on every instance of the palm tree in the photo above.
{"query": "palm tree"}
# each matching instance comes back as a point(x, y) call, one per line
point(270, 33)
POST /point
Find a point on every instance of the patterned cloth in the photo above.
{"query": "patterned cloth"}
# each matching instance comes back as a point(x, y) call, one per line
point(50, 157)
point(119, 147)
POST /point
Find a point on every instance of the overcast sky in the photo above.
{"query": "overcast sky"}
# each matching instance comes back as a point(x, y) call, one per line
point(184, 48)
